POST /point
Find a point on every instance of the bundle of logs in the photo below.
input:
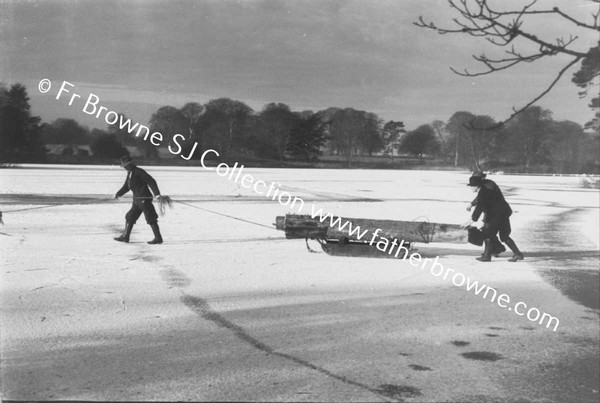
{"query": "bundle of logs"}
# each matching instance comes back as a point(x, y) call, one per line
point(357, 233)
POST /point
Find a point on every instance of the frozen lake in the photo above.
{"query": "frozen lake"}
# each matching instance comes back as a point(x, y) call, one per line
point(228, 309)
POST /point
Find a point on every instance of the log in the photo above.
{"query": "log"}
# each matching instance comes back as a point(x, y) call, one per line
point(297, 226)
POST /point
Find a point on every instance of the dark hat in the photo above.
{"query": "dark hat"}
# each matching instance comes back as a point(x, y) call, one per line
point(126, 160)
point(476, 179)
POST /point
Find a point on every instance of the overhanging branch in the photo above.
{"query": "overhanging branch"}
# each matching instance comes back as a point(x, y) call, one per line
point(501, 28)
point(533, 101)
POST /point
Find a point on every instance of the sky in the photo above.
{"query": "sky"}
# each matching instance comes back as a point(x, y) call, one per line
point(137, 56)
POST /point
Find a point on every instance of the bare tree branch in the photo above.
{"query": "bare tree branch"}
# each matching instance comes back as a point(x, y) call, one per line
point(503, 28)
point(556, 10)
point(533, 101)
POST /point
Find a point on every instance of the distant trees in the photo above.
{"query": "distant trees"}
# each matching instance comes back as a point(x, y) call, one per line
point(272, 131)
point(483, 144)
point(390, 136)
point(169, 121)
point(353, 132)
point(279, 133)
point(19, 130)
point(469, 145)
point(308, 137)
point(457, 142)
point(191, 114)
point(527, 134)
point(532, 141)
point(344, 128)
point(439, 127)
point(188, 120)
point(590, 159)
point(420, 141)
point(65, 131)
point(234, 130)
point(370, 139)
point(120, 132)
point(563, 147)
point(123, 133)
point(106, 146)
point(224, 125)
point(594, 124)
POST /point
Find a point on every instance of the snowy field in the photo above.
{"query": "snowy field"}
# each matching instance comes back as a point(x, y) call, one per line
point(228, 309)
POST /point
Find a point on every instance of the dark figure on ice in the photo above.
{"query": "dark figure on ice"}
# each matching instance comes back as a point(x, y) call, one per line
point(140, 183)
point(495, 244)
point(490, 201)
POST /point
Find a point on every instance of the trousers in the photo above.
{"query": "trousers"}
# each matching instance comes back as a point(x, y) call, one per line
point(497, 225)
point(142, 206)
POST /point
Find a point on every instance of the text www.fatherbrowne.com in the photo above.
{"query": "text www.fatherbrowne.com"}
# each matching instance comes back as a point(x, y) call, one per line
point(396, 248)
point(273, 191)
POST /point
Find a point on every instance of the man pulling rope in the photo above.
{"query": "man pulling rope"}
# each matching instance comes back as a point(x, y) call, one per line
point(140, 183)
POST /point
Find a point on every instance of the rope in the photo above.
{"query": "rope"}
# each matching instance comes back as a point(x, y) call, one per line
point(88, 201)
point(225, 215)
point(163, 202)
point(30, 208)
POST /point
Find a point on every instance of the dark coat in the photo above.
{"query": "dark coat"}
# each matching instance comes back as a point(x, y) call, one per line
point(140, 183)
point(490, 201)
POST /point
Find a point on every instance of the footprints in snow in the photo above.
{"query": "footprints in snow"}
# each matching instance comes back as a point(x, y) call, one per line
point(471, 355)
point(480, 355)
point(460, 343)
point(419, 367)
point(146, 258)
point(175, 278)
point(398, 392)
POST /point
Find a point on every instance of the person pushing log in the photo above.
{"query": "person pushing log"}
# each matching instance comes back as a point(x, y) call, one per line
point(490, 201)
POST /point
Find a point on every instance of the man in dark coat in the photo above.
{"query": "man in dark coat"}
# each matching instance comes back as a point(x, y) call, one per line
point(490, 201)
point(495, 244)
point(140, 183)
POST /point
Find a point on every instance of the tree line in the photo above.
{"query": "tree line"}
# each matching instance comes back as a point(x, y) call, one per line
point(531, 142)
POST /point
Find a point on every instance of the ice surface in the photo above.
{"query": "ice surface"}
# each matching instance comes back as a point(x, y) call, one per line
point(194, 311)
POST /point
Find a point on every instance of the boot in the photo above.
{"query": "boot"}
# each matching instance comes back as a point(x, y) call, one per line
point(157, 237)
point(517, 255)
point(487, 252)
point(125, 236)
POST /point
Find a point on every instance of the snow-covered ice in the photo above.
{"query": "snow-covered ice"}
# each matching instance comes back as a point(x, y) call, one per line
point(228, 309)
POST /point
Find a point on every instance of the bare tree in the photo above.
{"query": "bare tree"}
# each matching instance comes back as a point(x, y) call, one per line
point(391, 135)
point(192, 112)
point(169, 121)
point(504, 29)
point(439, 127)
